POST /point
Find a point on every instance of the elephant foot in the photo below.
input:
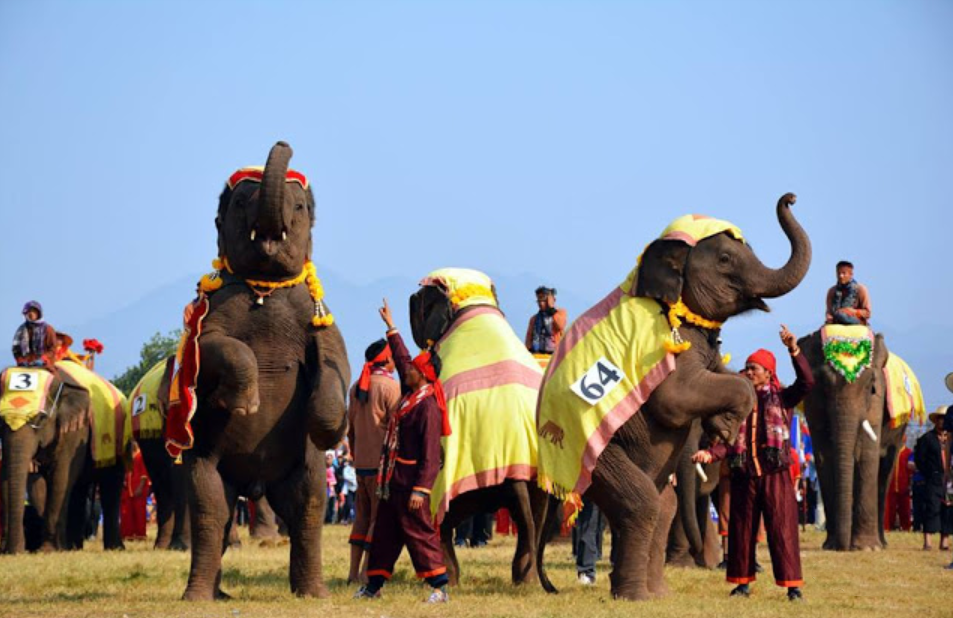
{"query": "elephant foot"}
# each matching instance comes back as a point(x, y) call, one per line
point(316, 591)
point(634, 596)
point(119, 547)
point(178, 545)
point(47, 547)
point(194, 594)
point(659, 589)
point(221, 595)
point(273, 542)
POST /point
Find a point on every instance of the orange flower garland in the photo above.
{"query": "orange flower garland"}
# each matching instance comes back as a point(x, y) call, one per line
point(675, 313)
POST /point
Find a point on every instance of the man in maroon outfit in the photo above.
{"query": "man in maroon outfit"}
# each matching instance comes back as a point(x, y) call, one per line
point(760, 474)
point(410, 461)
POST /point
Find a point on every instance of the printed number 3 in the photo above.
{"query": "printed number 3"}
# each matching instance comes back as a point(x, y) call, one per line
point(600, 379)
point(26, 381)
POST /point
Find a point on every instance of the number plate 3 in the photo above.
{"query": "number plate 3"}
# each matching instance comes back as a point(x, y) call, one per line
point(600, 380)
point(23, 381)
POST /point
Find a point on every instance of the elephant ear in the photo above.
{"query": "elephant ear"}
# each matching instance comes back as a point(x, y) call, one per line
point(72, 403)
point(881, 352)
point(662, 269)
point(223, 201)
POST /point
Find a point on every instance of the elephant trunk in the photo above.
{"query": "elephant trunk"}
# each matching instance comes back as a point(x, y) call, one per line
point(770, 283)
point(274, 215)
point(845, 437)
point(14, 477)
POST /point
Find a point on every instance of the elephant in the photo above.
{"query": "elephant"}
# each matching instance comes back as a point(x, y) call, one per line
point(270, 396)
point(435, 312)
point(57, 436)
point(700, 270)
point(854, 445)
point(693, 538)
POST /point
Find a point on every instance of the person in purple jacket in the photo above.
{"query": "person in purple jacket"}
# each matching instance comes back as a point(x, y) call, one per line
point(760, 474)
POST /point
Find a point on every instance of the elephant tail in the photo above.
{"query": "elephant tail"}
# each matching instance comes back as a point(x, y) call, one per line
point(550, 519)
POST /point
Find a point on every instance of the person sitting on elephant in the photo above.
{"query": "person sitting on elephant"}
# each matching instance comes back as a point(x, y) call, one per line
point(410, 461)
point(932, 456)
point(761, 481)
point(848, 302)
point(546, 327)
point(373, 398)
point(35, 340)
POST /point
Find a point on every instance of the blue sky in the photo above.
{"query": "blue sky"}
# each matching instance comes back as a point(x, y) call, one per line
point(551, 138)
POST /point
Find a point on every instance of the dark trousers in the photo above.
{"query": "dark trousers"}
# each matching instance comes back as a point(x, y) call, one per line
point(587, 538)
point(397, 526)
point(474, 531)
point(770, 495)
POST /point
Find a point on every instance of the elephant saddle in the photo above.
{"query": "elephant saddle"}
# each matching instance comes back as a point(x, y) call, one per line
point(491, 383)
point(25, 391)
point(904, 397)
point(108, 415)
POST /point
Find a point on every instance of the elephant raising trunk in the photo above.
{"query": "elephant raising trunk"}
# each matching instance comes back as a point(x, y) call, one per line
point(275, 213)
point(767, 282)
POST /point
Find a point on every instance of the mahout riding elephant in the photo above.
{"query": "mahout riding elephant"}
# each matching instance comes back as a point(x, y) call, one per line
point(491, 383)
point(635, 371)
point(47, 420)
point(693, 538)
point(856, 429)
point(270, 396)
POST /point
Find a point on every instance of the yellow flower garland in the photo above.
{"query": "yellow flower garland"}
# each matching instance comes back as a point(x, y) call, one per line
point(309, 275)
point(471, 289)
point(675, 313)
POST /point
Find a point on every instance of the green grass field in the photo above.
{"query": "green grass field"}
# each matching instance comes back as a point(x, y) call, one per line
point(901, 581)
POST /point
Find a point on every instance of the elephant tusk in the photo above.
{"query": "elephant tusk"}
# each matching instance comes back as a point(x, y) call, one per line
point(253, 235)
point(869, 430)
point(701, 473)
point(284, 235)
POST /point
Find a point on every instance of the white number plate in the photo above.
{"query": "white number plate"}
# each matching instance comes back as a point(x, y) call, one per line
point(139, 405)
point(600, 380)
point(23, 381)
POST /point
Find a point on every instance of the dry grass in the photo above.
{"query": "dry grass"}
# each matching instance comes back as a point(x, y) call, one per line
point(139, 582)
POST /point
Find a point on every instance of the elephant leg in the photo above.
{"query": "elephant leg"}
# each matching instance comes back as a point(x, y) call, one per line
point(210, 514)
point(867, 517)
point(110, 481)
point(300, 501)
point(630, 500)
point(520, 507)
point(450, 521)
point(62, 478)
point(159, 466)
point(265, 524)
point(182, 526)
point(18, 451)
point(668, 505)
point(77, 512)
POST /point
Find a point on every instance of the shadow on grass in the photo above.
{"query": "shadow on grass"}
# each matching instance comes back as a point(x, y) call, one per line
point(56, 597)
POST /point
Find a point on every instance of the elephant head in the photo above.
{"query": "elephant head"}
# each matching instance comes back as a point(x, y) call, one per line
point(444, 295)
point(265, 218)
point(52, 435)
point(842, 414)
point(720, 276)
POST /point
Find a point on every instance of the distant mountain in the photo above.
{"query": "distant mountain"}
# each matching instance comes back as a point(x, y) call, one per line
point(926, 349)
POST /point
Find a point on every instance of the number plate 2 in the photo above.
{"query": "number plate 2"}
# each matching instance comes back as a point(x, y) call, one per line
point(139, 405)
point(23, 381)
point(600, 380)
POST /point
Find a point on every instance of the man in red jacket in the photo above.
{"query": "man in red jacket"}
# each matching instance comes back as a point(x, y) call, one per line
point(897, 508)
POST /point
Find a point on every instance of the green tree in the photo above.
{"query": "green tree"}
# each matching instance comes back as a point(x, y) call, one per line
point(156, 349)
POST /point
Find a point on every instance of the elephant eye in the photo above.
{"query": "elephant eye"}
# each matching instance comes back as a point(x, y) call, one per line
point(299, 207)
point(724, 258)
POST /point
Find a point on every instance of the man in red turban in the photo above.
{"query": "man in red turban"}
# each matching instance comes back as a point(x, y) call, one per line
point(761, 483)
point(409, 463)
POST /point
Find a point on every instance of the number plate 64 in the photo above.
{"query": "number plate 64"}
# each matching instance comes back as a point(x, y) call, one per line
point(600, 380)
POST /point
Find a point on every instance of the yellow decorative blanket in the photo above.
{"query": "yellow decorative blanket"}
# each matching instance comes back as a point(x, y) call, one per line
point(111, 429)
point(904, 396)
point(146, 417)
point(25, 391)
point(492, 384)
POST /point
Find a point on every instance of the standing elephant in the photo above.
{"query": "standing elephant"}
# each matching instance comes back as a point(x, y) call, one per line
point(693, 538)
point(270, 396)
point(634, 372)
point(854, 435)
point(46, 418)
point(491, 383)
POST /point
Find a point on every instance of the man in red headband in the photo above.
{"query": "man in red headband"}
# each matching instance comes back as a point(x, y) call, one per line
point(373, 399)
point(409, 463)
point(761, 481)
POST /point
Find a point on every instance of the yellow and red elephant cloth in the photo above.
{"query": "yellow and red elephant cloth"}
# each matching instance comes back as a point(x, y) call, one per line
point(604, 369)
point(904, 397)
point(144, 412)
point(110, 429)
point(491, 382)
point(25, 391)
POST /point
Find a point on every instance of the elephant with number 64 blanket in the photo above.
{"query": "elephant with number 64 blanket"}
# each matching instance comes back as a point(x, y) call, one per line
point(633, 373)
point(263, 374)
